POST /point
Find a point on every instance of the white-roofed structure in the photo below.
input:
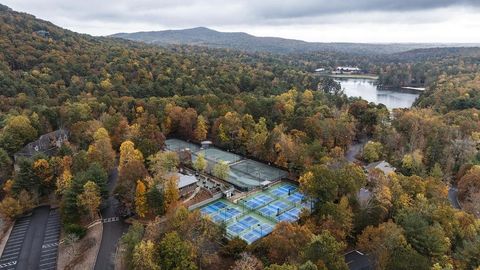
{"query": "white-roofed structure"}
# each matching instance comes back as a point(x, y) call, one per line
point(186, 180)
point(383, 166)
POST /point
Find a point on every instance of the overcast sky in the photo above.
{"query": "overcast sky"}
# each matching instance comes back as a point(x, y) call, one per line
point(310, 20)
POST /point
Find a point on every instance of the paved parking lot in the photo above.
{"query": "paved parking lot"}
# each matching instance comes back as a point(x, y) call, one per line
point(48, 256)
point(33, 242)
point(11, 253)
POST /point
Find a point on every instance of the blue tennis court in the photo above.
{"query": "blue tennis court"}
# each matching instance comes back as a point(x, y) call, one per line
point(296, 197)
point(256, 215)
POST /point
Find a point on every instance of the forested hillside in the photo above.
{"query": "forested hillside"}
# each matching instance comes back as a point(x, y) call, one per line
point(121, 100)
point(203, 36)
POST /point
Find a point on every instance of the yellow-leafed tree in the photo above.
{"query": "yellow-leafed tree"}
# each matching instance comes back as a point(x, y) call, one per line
point(90, 198)
point(201, 129)
point(141, 199)
point(172, 193)
point(129, 153)
point(101, 150)
point(144, 256)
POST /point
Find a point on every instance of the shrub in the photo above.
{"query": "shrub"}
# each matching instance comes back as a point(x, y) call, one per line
point(75, 229)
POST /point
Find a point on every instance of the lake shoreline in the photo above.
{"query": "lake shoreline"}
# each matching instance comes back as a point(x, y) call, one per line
point(367, 89)
point(354, 76)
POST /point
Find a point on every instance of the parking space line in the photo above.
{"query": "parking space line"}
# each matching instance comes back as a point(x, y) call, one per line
point(50, 238)
point(54, 258)
point(10, 246)
point(18, 233)
point(16, 240)
point(48, 250)
point(49, 261)
point(8, 258)
point(55, 232)
point(10, 254)
point(11, 250)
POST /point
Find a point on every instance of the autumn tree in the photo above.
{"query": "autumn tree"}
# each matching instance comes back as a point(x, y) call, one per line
point(90, 199)
point(384, 243)
point(413, 163)
point(201, 128)
point(101, 150)
point(163, 163)
point(247, 262)
point(326, 252)
point(5, 165)
point(171, 192)
point(200, 164)
point(16, 133)
point(469, 188)
point(155, 201)
point(144, 256)
point(25, 178)
point(26, 200)
point(44, 172)
point(10, 208)
point(64, 179)
point(131, 169)
point(256, 144)
point(141, 206)
point(130, 240)
point(128, 153)
point(286, 241)
point(70, 206)
point(324, 184)
point(146, 134)
point(174, 253)
point(372, 151)
point(221, 170)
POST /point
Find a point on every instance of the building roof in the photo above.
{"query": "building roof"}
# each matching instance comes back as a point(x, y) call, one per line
point(384, 166)
point(44, 144)
point(186, 180)
point(348, 68)
point(364, 195)
point(358, 261)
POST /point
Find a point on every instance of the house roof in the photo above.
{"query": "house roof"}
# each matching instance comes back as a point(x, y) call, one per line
point(44, 144)
point(384, 166)
point(364, 195)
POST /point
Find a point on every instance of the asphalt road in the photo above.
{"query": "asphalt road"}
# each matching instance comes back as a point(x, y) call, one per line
point(354, 150)
point(453, 197)
point(113, 228)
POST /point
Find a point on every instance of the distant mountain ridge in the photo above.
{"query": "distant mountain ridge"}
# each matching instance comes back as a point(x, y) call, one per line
point(202, 36)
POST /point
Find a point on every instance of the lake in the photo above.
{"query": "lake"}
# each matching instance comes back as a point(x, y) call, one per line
point(367, 90)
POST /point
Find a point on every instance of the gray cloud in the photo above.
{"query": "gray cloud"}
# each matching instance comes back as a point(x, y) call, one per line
point(298, 9)
point(217, 12)
point(108, 16)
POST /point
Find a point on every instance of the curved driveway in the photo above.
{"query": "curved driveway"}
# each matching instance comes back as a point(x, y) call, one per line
point(113, 228)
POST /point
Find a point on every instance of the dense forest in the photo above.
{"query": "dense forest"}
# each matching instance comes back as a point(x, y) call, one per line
point(120, 100)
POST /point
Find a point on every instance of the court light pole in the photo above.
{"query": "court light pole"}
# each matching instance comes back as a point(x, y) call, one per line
point(261, 230)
